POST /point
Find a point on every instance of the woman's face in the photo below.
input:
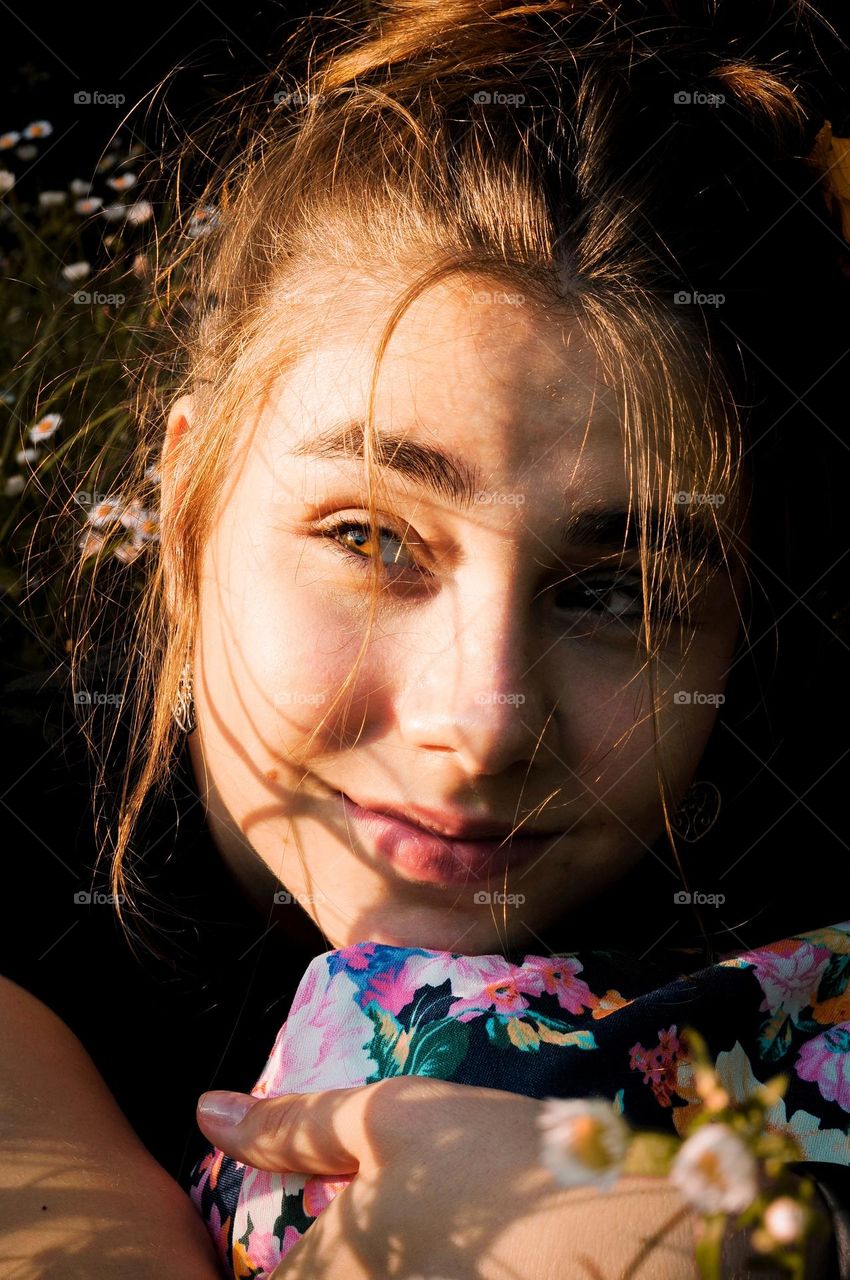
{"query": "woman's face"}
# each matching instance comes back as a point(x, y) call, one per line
point(503, 680)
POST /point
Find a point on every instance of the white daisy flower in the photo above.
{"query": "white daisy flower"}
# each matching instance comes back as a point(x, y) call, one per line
point(785, 1220)
point(9, 139)
point(27, 151)
point(108, 161)
point(105, 512)
point(202, 220)
point(584, 1141)
point(715, 1170)
point(143, 523)
point(76, 270)
point(146, 528)
point(12, 486)
point(112, 212)
point(90, 543)
point(38, 129)
point(51, 199)
point(152, 473)
point(89, 204)
point(45, 427)
point(78, 187)
point(139, 212)
point(127, 552)
point(7, 181)
point(123, 182)
point(26, 455)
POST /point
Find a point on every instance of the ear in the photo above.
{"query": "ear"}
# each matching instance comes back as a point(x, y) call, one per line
point(180, 419)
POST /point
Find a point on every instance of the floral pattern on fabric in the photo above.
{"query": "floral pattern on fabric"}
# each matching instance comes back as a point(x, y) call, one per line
point(552, 1026)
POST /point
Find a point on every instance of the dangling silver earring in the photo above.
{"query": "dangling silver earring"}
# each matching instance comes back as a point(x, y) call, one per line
point(697, 813)
point(184, 706)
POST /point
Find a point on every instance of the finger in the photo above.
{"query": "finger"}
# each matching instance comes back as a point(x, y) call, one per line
point(302, 1133)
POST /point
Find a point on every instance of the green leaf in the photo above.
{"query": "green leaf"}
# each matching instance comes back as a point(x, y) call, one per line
point(835, 978)
point(438, 1049)
point(775, 1036)
point(383, 1047)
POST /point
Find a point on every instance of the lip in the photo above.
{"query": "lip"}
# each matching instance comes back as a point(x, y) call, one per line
point(435, 857)
point(450, 827)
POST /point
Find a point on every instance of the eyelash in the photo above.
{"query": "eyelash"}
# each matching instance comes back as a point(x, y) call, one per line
point(336, 530)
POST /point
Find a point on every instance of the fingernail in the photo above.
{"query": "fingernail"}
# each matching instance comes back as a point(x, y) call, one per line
point(225, 1107)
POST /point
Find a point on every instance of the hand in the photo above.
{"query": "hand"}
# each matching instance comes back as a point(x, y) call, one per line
point(449, 1186)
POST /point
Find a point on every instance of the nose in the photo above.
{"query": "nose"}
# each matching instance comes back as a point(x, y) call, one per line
point(477, 687)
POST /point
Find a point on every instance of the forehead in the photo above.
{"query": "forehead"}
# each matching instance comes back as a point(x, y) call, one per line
point(473, 367)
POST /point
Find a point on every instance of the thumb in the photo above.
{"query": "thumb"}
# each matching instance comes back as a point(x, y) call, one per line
point(299, 1133)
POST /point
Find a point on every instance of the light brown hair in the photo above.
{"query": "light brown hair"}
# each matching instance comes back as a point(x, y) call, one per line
point(537, 145)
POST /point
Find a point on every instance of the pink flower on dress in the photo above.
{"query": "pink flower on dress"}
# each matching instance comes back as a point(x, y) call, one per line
point(291, 1236)
point(825, 1060)
point(487, 982)
point(395, 987)
point(323, 1043)
point(321, 1189)
point(659, 1065)
point(357, 956)
point(789, 973)
point(556, 975)
point(263, 1250)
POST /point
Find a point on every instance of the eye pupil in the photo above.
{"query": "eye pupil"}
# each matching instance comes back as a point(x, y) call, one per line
point(357, 537)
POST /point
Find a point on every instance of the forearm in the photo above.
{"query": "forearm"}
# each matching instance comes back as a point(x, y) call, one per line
point(79, 1193)
point(589, 1234)
point(641, 1223)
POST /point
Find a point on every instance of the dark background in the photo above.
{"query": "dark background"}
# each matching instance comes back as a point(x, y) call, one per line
point(205, 49)
point(201, 50)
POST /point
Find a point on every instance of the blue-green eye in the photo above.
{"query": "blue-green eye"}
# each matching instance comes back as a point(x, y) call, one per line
point(353, 538)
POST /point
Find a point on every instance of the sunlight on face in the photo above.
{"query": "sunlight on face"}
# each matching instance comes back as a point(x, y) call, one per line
point(503, 668)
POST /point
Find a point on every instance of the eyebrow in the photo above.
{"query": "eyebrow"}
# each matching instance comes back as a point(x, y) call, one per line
point(449, 476)
point(445, 474)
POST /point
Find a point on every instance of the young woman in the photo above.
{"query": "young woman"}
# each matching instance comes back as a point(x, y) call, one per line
point(499, 561)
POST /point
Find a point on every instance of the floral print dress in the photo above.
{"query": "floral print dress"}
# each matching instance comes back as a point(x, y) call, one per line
point(553, 1026)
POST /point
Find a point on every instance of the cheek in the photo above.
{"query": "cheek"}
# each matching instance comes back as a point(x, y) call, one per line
point(610, 735)
point(276, 653)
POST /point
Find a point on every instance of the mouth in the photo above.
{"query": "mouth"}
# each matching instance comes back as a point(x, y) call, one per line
point(447, 856)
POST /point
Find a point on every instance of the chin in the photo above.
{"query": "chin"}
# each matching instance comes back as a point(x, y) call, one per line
point(450, 933)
